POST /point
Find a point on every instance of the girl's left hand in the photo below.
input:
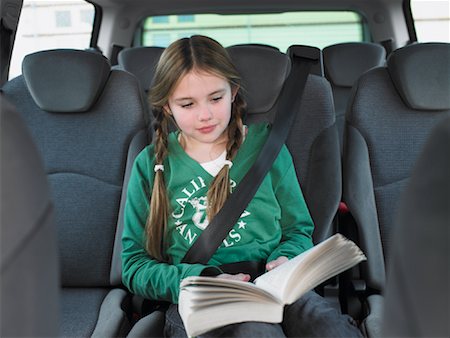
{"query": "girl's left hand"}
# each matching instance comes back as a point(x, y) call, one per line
point(273, 264)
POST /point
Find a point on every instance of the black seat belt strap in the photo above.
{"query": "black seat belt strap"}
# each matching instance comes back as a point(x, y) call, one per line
point(210, 239)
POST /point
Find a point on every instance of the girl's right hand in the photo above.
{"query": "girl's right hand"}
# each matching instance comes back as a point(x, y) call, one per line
point(240, 277)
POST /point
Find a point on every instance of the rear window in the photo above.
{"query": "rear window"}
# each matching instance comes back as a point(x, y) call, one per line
point(51, 24)
point(281, 30)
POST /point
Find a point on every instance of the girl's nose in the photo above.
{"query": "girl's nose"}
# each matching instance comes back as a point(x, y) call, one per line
point(205, 113)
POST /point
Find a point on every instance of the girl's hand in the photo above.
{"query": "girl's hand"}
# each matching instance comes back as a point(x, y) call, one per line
point(240, 277)
point(273, 264)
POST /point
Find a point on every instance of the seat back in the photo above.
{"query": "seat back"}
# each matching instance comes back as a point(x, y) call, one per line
point(312, 140)
point(140, 61)
point(390, 115)
point(29, 257)
point(417, 292)
point(344, 63)
point(85, 119)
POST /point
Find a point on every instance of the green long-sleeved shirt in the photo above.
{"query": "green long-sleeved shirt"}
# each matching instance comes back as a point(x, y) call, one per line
point(275, 223)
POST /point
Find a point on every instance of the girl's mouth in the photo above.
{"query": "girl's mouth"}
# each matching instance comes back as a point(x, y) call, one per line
point(207, 129)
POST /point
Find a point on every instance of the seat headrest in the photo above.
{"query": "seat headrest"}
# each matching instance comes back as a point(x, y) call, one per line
point(345, 62)
point(65, 80)
point(141, 62)
point(421, 74)
point(263, 71)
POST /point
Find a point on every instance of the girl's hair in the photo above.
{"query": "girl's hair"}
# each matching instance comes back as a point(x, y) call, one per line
point(198, 53)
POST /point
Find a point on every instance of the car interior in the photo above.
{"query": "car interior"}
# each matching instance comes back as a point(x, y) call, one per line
point(369, 141)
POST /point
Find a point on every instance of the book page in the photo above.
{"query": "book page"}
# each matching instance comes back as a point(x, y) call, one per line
point(200, 317)
point(206, 287)
point(304, 272)
point(202, 312)
point(275, 281)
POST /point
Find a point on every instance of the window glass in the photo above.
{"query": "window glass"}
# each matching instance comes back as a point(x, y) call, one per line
point(431, 20)
point(51, 24)
point(63, 19)
point(160, 19)
point(185, 18)
point(279, 30)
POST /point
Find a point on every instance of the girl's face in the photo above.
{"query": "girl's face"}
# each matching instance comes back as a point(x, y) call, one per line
point(201, 107)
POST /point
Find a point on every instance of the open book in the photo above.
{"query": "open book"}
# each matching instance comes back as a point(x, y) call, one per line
point(206, 303)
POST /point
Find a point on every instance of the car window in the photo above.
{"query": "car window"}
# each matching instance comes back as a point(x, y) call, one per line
point(431, 20)
point(51, 24)
point(316, 28)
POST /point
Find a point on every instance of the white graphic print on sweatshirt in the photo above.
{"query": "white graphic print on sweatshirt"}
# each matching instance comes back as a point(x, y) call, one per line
point(191, 210)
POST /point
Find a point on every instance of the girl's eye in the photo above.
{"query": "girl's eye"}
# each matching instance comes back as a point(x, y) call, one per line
point(216, 99)
point(187, 105)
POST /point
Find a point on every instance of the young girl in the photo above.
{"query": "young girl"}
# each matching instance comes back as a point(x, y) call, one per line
point(180, 182)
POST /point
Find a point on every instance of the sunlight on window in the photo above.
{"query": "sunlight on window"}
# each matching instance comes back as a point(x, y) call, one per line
point(316, 28)
point(51, 24)
point(432, 20)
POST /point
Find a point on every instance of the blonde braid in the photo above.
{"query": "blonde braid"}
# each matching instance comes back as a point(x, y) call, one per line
point(157, 219)
point(220, 188)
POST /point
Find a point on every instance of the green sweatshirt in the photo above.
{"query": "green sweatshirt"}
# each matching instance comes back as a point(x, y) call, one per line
point(275, 223)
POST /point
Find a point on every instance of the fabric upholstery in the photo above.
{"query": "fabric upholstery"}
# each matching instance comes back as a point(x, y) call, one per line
point(417, 290)
point(111, 322)
point(263, 71)
point(29, 257)
point(85, 156)
point(140, 61)
point(421, 75)
point(382, 141)
point(79, 311)
point(150, 326)
point(344, 63)
point(76, 168)
point(65, 81)
point(312, 140)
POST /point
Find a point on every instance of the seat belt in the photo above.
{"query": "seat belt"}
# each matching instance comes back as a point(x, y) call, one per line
point(290, 99)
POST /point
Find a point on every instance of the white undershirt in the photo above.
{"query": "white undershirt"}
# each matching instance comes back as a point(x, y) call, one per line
point(213, 167)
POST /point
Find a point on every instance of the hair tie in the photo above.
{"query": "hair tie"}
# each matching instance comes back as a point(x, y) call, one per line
point(158, 167)
point(228, 163)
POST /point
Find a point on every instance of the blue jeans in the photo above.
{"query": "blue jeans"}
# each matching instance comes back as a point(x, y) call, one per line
point(310, 316)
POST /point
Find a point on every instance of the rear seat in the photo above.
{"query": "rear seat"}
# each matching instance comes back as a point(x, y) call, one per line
point(344, 63)
point(313, 138)
point(391, 113)
point(84, 119)
point(29, 262)
point(418, 288)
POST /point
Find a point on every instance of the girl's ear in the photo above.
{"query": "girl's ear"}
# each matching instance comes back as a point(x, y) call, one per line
point(167, 110)
point(234, 90)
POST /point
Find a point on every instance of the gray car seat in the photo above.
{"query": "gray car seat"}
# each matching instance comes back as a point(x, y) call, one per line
point(312, 141)
point(140, 61)
point(417, 288)
point(391, 114)
point(85, 119)
point(344, 63)
point(29, 256)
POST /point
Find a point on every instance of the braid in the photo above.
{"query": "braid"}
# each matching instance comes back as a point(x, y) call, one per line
point(157, 219)
point(220, 187)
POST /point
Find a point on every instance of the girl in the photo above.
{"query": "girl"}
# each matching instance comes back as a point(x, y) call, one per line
point(180, 182)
